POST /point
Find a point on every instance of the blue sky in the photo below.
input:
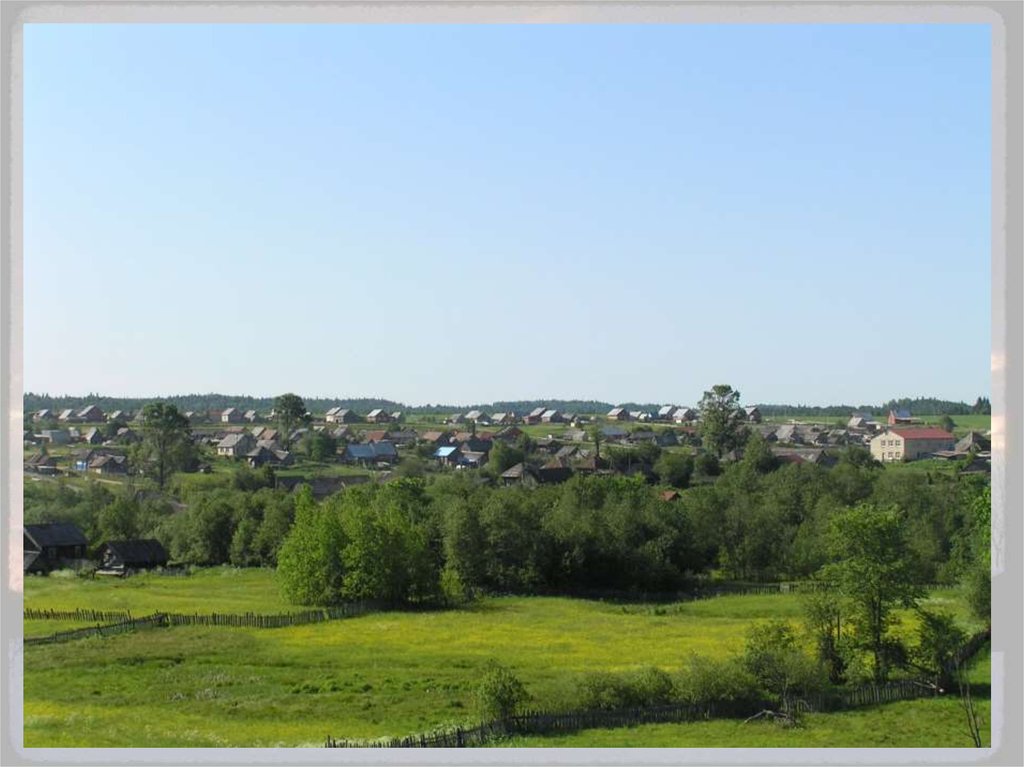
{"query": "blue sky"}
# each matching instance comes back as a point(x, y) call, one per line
point(476, 213)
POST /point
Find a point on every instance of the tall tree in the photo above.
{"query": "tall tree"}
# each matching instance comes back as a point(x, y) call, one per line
point(721, 426)
point(872, 568)
point(290, 411)
point(598, 437)
point(166, 445)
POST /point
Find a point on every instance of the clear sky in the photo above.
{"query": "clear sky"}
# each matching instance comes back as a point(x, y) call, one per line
point(464, 214)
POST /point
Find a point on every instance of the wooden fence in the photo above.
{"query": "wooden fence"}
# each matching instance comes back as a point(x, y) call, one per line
point(114, 628)
point(103, 616)
point(281, 620)
point(234, 620)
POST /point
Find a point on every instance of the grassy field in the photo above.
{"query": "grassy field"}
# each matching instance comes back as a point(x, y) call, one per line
point(917, 723)
point(382, 674)
point(214, 589)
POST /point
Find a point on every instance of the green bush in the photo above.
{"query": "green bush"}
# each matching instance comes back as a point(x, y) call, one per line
point(648, 687)
point(706, 682)
point(501, 694)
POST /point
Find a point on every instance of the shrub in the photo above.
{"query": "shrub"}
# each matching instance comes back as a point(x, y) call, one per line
point(647, 687)
point(710, 683)
point(501, 694)
point(602, 690)
point(453, 591)
point(779, 666)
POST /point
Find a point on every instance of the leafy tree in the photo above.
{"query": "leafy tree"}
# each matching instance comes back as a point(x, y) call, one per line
point(675, 469)
point(872, 568)
point(211, 527)
point(706, 465)
point(310, 569)
point(387, 554)
point(947, 423)
point(504, 457)
point(758, 455)
point(597, 437)
point(823, 619)
point(120, 520)
point(774, 659)
point(938, 639)
point(721, 426)
point(166, 445)
point(290, 411)
point(243, 552)
point(978, 576)
point(319, 446)
point(500, 694)
point(278, 514)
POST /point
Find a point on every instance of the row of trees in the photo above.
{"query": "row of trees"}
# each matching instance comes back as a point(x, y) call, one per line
point(757, 522)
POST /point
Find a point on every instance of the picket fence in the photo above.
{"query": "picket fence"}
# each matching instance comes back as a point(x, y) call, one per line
point(281, 620)
point(105, 616)
point(118, 622)
point(131, 624)
point(547, 723)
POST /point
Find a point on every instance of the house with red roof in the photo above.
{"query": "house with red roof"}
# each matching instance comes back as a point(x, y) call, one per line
point(909, 443)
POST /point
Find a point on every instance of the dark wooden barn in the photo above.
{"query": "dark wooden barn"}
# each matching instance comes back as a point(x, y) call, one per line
point(55, 544)
point(121, 556)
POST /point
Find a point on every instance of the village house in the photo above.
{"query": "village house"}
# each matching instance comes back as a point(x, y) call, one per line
point(231, 415)
point(618, 414)
point(119, 415)
point(56, 436)
point(40, 463)
point(520, 474)
point(91, 414)
point(666, 412)
point(471, 459)
point(403, 437)
point(109, 464)
point(235, 445)
point(372, 453)
point(251, 416)
point(53, 545)
point(92, 436)
point(68, 416)
point(551, 416)
point(753, 414)
point(434, 437)
point(447, 455)
point(900, 416)
point(42, 415)
point(813, 456)
point(378, 415)
point(341, 415)
point(503, 419)
point(477, 416)
point(534, 416)
point(975, 442)
point(509, 434)
point(904, 443)
point(121, 557)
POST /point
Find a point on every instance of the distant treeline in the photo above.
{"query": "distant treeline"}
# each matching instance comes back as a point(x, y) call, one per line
point(204, 402)
point(916, 406)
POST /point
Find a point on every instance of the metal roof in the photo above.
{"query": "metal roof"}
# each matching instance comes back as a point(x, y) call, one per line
point(55, 534)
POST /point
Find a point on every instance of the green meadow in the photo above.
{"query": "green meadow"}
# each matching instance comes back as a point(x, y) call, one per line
point(383, 674)
point(923, 723)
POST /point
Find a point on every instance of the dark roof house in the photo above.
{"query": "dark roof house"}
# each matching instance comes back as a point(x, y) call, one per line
point(58, 544)
point(137, 554)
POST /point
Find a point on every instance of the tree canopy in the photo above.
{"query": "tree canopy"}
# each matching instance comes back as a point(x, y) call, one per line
point(166, 445)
